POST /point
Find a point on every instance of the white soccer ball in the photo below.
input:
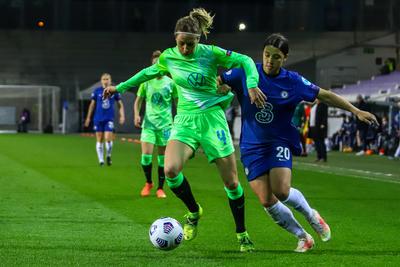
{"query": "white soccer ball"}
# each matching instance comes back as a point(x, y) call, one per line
point(166, 233)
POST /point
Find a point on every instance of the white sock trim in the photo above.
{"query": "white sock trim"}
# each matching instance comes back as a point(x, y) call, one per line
point(109, 146)
point(297, 201)
point(100, 151)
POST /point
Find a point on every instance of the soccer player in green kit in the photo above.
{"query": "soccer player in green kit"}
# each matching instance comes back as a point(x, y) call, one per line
point(156, 126)
point(200, 118)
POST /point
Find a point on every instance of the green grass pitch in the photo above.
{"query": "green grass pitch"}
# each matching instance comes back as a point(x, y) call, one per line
point(59, 208)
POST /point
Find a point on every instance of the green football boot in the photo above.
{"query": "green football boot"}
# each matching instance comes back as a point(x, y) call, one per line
point(245, 243)
point(190, 226)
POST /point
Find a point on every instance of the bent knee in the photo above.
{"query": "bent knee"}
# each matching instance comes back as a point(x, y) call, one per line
point(268, 203)
point(231, 185)
point(172, 170)
point(282, 195)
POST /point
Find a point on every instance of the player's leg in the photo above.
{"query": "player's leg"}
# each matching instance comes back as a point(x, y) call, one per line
point(162, 137)
point(217, 144)
point(176, 154)
point(108, 129)
point(148, 140)
point(279, 213)
point(99, 145)
point(108, 136)
point(228, 172)
point(281, 187)
point(146, 162)
point(161, 175)
point(182, 144)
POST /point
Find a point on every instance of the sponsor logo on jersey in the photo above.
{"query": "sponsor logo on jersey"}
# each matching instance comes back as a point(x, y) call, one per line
point(265, 115)
point(196, 79)
point(105, 104)
point(157, 99)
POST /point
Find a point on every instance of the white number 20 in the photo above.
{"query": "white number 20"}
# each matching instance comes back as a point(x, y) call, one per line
point(283, 152)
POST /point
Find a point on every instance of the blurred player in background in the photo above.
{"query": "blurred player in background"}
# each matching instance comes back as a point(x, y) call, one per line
point(159, 94)
point(268, 138)
point(299, 120)
point(103, 121)
point(200, 118)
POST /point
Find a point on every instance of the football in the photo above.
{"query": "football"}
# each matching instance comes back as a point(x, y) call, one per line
point(166, 233)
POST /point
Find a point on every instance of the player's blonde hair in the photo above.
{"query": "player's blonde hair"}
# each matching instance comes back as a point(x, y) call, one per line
point(198, 22)
point(105, 74)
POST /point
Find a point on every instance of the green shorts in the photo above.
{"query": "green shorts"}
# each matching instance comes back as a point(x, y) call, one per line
point(207, 129)
point(156, 137)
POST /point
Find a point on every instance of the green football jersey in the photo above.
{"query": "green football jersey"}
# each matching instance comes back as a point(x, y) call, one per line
point(158, 94)
point(195, 76)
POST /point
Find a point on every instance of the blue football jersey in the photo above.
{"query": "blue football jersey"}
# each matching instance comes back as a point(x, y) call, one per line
point(104, 107)
point(273, 123)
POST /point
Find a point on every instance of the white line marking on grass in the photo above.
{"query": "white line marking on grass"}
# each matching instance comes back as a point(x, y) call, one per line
point(369, 175)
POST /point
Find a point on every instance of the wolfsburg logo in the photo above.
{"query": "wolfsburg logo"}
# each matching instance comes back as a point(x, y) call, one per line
point(196, 79)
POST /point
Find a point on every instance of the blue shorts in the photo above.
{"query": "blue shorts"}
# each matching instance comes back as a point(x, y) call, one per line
point(103, 126)
point(259, 160)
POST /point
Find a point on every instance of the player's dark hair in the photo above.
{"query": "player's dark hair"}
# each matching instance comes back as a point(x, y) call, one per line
point(155, 54)
point(199, 21)
point(279, 41)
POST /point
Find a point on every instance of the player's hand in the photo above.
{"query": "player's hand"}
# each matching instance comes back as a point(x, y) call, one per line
point(121, 120)
point(367, 117)
point(138, 121)
point(257, 97)
point(109, 91)
point(87, 123)
point(223, 89)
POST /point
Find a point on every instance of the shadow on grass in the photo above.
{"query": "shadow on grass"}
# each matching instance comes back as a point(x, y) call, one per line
point(137, 252)
point(327, 252)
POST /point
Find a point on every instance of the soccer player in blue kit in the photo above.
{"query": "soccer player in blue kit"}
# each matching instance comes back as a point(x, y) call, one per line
point(104, 118)
point(268, 138)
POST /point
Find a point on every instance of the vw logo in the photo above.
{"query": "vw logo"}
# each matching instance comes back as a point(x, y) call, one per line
point(196, 79)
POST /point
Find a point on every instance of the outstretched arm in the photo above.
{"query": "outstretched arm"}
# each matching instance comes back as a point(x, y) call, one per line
point(335, 100)
point(154, 71)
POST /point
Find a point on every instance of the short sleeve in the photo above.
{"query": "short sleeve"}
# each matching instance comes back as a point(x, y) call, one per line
point(307, 90)
point(142, 90)
point(234, 78)
point(162, 64)
point(93, 96)
point(117, 96)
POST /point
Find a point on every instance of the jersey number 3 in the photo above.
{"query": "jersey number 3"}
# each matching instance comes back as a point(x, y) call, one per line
point(265, 115)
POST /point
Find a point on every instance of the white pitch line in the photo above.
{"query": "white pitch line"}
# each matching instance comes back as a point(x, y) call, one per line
point(318, 169)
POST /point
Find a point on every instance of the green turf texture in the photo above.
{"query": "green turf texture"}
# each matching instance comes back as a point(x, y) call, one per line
point(58, 207)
